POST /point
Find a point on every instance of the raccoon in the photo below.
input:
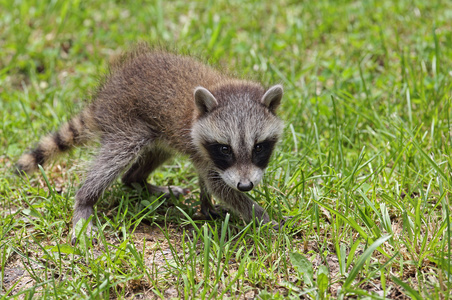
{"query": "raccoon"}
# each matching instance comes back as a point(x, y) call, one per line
point(153, 104)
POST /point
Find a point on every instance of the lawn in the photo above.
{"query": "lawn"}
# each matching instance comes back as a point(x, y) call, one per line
point(364, 167)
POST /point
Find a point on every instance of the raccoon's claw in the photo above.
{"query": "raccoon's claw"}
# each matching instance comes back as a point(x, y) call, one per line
point(74, 240)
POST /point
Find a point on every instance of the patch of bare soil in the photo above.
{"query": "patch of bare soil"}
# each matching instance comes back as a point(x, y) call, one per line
point(159, 253)
point(22, 274)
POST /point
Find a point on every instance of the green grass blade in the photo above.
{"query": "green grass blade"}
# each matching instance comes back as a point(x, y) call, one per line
point(411, 292)
point(362, 259)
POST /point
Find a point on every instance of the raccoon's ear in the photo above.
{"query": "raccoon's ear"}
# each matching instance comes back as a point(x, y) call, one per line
point(204, 100)
point(272, 97)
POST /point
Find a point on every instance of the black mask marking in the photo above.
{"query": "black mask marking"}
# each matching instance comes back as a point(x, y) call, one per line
point(262, 152)
point(221, 155)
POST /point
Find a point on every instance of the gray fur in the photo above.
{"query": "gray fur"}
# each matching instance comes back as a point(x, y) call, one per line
point(154, 104)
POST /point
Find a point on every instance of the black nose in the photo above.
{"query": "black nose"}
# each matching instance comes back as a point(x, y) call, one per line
point(245, 187)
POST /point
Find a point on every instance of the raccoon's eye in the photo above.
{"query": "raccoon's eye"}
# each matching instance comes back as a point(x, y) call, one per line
point(225, 149)
point(258, 148)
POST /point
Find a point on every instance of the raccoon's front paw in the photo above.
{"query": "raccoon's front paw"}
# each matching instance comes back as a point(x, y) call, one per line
point(214, 212)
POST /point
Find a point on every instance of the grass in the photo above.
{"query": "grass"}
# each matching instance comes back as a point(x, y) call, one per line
point(364, 167)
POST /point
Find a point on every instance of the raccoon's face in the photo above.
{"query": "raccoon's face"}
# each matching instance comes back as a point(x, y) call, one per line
point(237, 130)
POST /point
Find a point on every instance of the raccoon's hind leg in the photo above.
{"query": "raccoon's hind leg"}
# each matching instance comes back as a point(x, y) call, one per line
point(114, 156)
point(140, 170)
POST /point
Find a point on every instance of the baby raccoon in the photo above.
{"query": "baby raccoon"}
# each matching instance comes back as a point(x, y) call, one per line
point(153, 104)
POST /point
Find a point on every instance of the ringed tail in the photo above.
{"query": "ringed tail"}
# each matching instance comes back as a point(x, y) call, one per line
point(73, 133)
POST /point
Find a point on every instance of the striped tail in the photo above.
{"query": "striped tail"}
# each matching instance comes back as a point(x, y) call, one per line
point(75, 132)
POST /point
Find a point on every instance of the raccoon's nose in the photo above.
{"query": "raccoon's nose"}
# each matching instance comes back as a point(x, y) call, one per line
point(245, 187)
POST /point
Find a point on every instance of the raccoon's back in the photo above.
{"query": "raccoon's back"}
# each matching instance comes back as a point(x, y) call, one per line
point(153, 89)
